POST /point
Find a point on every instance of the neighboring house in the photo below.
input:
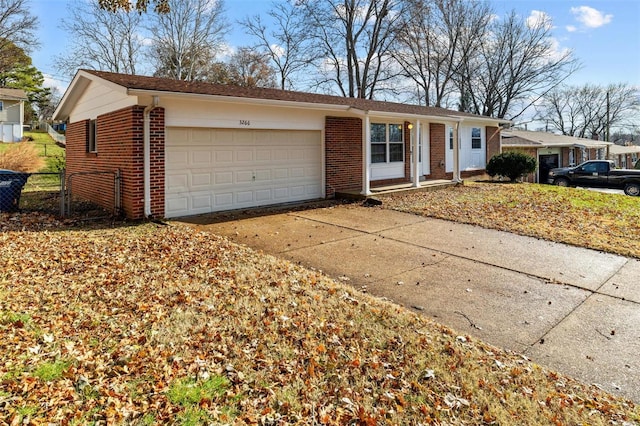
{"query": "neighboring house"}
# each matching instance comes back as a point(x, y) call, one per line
point(553, 150)
point(11, 114)
point(185, 148)
point(625, 156)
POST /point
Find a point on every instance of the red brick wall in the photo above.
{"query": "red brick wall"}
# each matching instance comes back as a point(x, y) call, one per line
point(119, 147)
point(81, 181)
point(437, 148)
point(493, 141)
point(343, 154)
point(564, 154)
point(157, 136)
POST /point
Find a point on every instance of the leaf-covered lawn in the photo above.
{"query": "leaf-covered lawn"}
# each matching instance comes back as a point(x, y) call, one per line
point(607, 222)
point(154, 324)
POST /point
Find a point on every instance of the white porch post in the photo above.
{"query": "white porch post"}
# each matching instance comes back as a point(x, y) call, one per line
point(456, 152)
point(366, 189)
point(416, 155)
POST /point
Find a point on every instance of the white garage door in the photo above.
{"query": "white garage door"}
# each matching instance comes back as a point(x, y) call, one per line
point(210, 170)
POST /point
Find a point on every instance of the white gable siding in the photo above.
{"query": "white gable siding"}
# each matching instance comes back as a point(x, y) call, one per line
point(100, 99)
point(11, 112)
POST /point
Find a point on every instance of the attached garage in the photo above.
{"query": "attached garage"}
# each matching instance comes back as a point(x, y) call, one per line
point(208, 170)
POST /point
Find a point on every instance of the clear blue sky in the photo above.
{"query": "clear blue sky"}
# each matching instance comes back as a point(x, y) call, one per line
point(604, 34)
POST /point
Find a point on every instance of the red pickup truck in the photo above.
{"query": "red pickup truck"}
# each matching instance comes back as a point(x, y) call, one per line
point(597, 174)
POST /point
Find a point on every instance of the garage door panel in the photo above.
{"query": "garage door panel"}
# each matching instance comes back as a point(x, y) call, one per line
point(298, 191)
point(280, 173)
point(201, 158)
point(263, 195)
point(243, 197)
point(244, 155)
point(178, 204)
point(201, 137)
point(222, 169)
point(223, 157)
point(244, 177)
point(224, 200)
point(296, 172)
point(200, 179)
point(281, 193)
point(263, 155)
point(177, 182)
point(201, 201)
point(223, 178)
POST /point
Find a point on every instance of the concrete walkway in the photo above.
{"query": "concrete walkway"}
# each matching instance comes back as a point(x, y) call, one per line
point(574, 310)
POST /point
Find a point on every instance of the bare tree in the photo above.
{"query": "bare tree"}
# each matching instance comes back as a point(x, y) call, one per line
point(17, 25)
point(590, 110)
point(285, 41)
point(435, 41)
point(186, 39)
point(517, 63)
point(354, 38)
point(103, 40)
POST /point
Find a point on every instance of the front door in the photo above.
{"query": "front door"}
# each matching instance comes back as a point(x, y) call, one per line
point(547, 162)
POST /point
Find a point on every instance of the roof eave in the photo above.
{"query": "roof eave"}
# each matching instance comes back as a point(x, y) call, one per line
point(237, 99)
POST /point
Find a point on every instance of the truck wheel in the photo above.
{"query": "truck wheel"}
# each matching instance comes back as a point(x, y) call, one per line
point(562, 182)
point(632, 189)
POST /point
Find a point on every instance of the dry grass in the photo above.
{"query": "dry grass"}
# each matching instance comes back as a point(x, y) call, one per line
point(165, 325)
point(607, 222)
point(21, 157)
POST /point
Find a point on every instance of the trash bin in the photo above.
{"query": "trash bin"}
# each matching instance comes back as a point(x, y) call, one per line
point(11, 184)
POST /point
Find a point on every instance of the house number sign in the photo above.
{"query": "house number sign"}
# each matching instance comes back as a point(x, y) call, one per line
point(245, 123)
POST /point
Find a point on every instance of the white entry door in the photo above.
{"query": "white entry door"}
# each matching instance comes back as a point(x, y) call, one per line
point(208, 170)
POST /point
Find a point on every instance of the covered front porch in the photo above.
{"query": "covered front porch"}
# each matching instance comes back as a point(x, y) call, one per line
point(426, 185)
point(418, 152)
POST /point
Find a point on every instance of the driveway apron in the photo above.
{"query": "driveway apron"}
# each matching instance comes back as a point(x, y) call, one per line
point(572, 309)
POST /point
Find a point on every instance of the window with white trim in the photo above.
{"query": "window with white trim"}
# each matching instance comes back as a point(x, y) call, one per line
point(450, 137)
point(476, 138)
point(1, 106)
point(387, 143)
point(92, 145)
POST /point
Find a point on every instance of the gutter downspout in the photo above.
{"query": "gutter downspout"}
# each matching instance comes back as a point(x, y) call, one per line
point(147, 155)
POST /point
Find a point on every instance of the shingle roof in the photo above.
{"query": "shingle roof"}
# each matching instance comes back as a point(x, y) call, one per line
point(16, 94)
point(514, 137)
point(138, 82)
point(621, 149)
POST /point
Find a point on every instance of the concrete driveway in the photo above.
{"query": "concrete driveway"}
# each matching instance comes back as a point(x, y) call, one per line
point(574, 310)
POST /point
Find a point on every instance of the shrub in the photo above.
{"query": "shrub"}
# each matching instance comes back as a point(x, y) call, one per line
point(512, 165)
point(21, 157)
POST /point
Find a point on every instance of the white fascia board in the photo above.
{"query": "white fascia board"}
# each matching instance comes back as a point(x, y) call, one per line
point(238, 100)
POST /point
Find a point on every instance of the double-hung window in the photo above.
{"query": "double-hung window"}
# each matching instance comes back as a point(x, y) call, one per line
point(476, 138)
point(387, 143)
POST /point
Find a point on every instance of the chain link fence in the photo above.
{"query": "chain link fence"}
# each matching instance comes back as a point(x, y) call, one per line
point(21, 192)
point(61, 195)
point(92, 194)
